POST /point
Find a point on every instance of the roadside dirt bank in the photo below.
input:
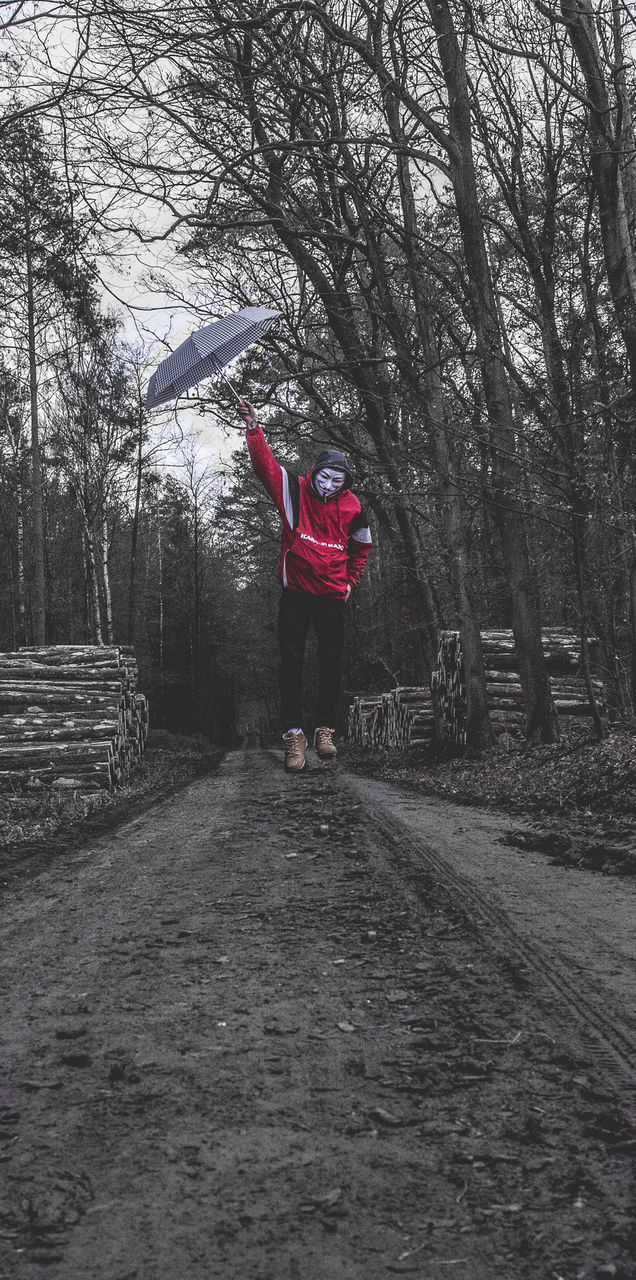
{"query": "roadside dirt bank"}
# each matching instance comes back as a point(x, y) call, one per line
point(575, 800)
point(255, 1034)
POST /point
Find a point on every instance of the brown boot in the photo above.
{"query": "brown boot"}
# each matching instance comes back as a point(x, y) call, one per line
point(295, 746)
point(323, 742)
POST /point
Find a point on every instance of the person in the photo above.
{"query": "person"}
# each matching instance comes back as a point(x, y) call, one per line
point(324, 545)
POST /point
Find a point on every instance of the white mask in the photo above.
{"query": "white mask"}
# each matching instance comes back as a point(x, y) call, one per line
point(328, 480)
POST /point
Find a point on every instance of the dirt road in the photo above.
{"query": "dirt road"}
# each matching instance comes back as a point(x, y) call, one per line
point(272, 1030)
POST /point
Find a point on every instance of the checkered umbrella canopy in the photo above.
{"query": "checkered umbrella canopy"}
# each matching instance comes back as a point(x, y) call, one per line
point(207, 352)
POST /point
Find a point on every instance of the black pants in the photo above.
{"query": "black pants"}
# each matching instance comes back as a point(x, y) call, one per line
point(297, 611)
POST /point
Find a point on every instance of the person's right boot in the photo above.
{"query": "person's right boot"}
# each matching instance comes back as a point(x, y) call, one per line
point(295, 747)
point(324, 743)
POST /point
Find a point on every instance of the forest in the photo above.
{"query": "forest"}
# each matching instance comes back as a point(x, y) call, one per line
point(440, 200)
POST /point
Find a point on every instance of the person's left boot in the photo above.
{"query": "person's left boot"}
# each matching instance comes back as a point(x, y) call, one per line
point(324, 744)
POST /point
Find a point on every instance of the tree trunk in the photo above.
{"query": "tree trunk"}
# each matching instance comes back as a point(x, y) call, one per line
point(627, 137)
point(479, 733)
point(578, 538)
point(423, 596)
point(196, 619)
point(22, 612)
point(38, 592)
point(632, 617)
point(606, 162)
point(507, 474)
point(92, 584)
point(108, 601)
point(161, 617)
point(134, 537)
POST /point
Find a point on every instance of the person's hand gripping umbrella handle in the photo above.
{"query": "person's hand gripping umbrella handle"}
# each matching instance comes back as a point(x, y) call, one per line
point(248, 413)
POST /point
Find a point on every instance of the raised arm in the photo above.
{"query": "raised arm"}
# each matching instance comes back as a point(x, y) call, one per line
point(268, 470)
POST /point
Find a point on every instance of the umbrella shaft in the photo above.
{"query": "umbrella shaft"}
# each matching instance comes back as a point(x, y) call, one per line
point(229, 384)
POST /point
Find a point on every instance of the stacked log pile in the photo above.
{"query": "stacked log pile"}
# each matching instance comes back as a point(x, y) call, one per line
point(70, 717)
point(397, 719)
point(414, 720)
point(405, 715)
point(503, 682)
point(361, 715)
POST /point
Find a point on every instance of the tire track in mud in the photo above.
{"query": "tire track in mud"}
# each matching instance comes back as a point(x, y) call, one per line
point(612, 1046)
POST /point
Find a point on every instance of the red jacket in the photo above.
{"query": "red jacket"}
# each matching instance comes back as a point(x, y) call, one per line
point(325, 542)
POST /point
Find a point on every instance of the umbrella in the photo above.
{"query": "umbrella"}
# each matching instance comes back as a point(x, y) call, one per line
point(206, 352)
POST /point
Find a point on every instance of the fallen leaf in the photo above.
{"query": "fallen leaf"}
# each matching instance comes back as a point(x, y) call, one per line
point(32, 1085)
point(331, 1198)
point(385, 1117)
